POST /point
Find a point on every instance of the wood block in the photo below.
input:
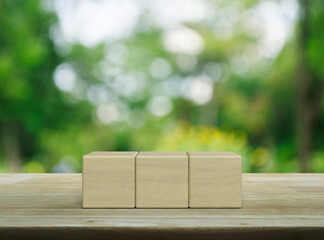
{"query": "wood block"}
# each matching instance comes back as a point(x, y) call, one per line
point(162, 180)
point(215, 180)
point(108, 180)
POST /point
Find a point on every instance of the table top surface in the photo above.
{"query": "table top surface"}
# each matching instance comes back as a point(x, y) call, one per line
point(269, 200)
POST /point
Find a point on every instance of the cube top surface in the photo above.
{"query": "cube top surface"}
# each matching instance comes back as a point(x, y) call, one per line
point(214, 155)
point(162, 155)
point(110, 154)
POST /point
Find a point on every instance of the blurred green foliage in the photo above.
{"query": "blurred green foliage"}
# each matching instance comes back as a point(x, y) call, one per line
point(59, 102)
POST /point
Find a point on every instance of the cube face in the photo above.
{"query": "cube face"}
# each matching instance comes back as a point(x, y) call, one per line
point(215, 180)
point(162, 180)
point(109, 180)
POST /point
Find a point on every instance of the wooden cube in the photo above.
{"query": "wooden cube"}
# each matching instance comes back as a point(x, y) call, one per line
point(109, 180)
point(215, 180)
point(162, 180)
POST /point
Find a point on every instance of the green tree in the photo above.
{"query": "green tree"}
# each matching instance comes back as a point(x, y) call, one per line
point(310, 77)
point(30, 102)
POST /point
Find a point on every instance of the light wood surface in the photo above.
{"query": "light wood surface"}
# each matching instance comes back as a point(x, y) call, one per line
point(161, 180)
point(49, 206)
point(215, 180)
point(109, 180)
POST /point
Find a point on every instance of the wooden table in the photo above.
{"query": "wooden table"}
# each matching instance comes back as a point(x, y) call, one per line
point(275, 206)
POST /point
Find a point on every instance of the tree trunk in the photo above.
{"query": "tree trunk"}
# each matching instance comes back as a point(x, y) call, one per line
point(304, 138)
point(309, 91)
point(11, 148)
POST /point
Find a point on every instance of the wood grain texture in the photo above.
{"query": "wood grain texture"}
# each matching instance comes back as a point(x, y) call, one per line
point(49, 206)
point(162, 180)
point(215, 180)
point(109, 180)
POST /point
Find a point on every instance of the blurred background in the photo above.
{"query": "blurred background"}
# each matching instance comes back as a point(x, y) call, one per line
point(158, 75)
